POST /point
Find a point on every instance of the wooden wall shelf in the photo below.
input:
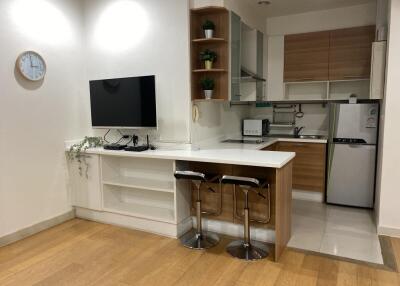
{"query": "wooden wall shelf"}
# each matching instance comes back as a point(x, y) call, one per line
point(212, 40)
point(208, 10)
point(209, 71)
point(219, 44)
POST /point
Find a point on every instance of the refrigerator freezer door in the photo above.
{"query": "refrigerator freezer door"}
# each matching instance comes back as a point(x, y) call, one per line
point(351, 175)
point(356, 121)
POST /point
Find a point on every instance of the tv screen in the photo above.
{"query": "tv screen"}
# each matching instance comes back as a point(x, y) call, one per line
point(123, 102)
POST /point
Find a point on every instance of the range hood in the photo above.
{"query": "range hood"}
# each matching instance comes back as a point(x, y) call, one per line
point(248, 76)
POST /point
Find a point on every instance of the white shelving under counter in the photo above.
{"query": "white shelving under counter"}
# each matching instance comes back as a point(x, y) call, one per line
point(141, 183)
point(139, 187)
point(139, 203)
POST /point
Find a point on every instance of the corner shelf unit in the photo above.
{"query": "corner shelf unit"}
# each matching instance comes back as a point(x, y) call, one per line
point(219, 44)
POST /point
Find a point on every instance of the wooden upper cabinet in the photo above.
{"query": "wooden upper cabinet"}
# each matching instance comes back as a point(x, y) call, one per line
point(350, 53)
point(307, 57)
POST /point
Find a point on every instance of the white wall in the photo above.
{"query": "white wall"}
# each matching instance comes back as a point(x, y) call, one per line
point(153, 38)
point(314, 121)
point(217, 120)
point(36, 118)
point(251, 16)
point(79, 42)
point(360, 15)
point(389, 165)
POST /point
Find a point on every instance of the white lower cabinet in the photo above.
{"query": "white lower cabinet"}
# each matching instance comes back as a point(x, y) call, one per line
point(139, 193)
point(86, 187)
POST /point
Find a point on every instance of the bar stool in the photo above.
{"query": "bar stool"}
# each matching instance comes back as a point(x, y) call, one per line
point(197, 238)
point(247, 249)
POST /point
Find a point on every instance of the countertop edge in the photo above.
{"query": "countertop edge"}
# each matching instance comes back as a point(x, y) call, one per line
point(154, 155)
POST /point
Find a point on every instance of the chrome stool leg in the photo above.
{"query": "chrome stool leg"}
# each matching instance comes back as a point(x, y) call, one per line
point(199, 239)
point(247, 249)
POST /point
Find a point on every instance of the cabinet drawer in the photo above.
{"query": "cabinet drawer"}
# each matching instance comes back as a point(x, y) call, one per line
point(308, 165)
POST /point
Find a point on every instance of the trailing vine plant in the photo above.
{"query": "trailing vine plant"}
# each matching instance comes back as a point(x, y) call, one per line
point(76, 152)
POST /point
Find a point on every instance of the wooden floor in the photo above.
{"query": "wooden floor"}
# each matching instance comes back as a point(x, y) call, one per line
point(79, 252)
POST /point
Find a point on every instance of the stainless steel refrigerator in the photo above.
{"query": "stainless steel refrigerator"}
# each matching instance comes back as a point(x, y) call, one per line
point(352, 154)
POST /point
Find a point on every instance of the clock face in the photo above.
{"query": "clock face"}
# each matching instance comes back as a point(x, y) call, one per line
point(31, 65)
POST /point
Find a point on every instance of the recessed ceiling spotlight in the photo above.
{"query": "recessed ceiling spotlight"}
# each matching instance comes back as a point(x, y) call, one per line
point(264, 2)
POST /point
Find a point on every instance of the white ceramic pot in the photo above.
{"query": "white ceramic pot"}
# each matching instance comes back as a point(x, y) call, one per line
point(208, 34)
point(208, 94)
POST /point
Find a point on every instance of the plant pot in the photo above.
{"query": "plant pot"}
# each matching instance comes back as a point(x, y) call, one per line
point(208, 34)
point(208, 94)
point(208, 65)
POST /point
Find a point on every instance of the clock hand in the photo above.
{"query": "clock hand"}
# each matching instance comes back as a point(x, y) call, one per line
point(30, 58)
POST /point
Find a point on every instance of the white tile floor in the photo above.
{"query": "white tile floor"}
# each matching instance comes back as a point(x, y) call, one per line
point(334, 230)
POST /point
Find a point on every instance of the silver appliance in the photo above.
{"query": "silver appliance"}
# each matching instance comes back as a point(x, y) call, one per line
point(352, 154)
point(255, 127)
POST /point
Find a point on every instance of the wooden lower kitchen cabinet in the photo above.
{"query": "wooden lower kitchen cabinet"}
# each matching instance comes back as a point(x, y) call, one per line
point(308, 166)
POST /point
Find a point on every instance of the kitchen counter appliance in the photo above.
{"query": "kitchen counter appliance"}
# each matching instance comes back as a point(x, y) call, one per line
point(255, 127)
point(352, 154)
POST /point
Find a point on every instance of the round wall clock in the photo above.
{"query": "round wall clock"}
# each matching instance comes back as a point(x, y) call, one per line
point(31, 65)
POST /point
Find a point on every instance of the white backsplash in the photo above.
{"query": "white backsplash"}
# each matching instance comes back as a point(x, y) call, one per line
point(219, 121)
point(315, 119)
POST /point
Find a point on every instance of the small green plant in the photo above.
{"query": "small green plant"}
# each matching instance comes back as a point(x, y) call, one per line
point(208, 25)
point(208, 55)
point(207, 83)
point(76, 151)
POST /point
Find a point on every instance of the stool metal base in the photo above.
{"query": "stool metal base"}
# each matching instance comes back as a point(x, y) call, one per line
point(254, 251)
point(193, 240)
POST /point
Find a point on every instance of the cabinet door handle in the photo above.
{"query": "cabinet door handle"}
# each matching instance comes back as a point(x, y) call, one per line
point(306, 78)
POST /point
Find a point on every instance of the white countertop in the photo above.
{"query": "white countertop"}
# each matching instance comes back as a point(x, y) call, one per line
point(222, 153)
point(267, 141)
point(221, 156)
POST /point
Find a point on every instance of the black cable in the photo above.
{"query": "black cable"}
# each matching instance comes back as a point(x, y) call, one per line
point(104, 137)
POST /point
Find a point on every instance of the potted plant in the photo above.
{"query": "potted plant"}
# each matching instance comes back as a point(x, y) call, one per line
point(208, 28)
point(207, 84)
point(76, 151)
point(208, 57)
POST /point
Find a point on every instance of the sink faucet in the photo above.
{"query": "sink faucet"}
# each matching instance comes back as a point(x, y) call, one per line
point(297, 131)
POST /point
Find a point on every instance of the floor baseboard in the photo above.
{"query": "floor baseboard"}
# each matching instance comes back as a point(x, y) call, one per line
point(308, 196)
point(38, 227)
point(389, 231)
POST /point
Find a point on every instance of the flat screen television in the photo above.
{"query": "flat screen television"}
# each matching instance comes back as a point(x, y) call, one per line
point(123, 102)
